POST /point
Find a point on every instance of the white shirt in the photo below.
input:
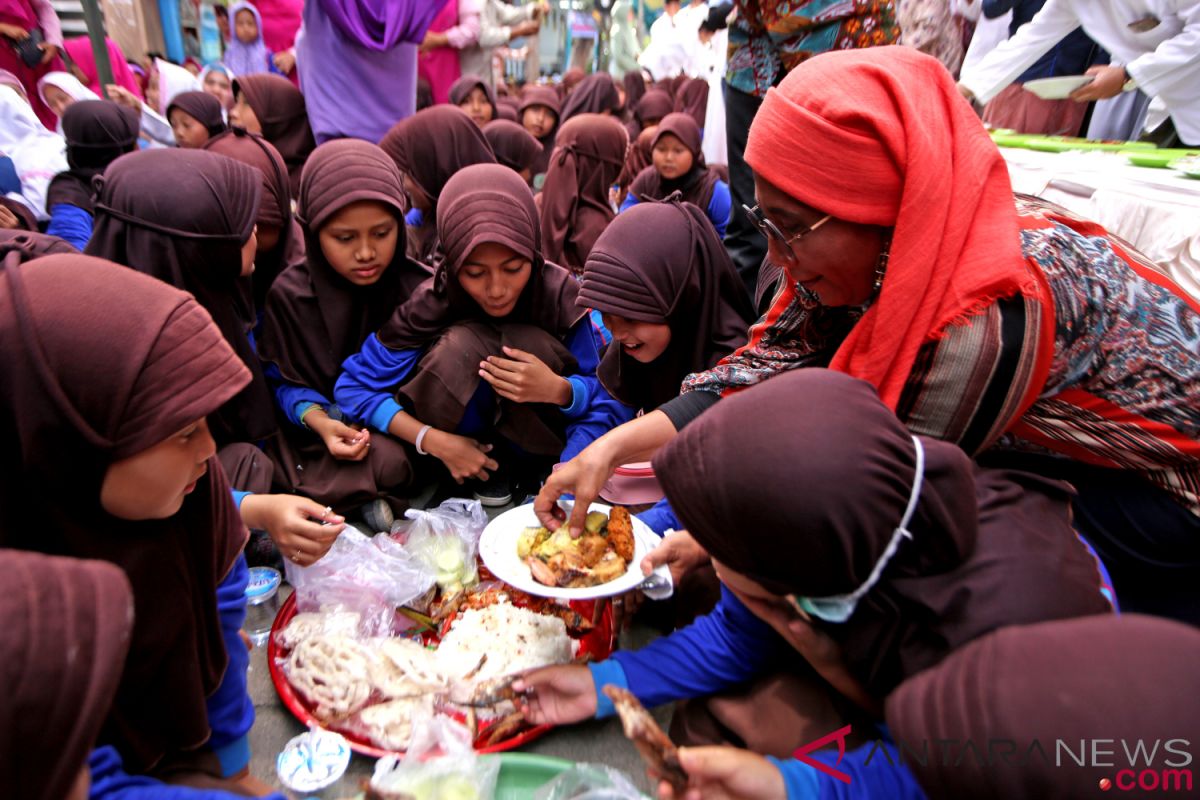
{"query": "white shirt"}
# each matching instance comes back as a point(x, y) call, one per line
point(1164, 60)
point(669, 53)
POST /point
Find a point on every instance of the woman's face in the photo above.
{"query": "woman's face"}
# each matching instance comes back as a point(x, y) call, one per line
point(477, 106)
point(494, 276)
point(57, 99)
point(153, 483)
point(217, 84)
point(538, 120)
point(188, 131)
point(242, 114)
point(672, 159)
point(642, 341)
point(360, 240)
point(836, 262)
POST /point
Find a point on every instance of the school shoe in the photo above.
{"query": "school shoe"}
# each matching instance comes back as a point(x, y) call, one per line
point(494, 492)
point(378, 515)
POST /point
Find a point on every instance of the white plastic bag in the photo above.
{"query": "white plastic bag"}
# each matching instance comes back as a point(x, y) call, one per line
point(440, 764)
point(371, 576)
point(589, 782)
point(446, 540)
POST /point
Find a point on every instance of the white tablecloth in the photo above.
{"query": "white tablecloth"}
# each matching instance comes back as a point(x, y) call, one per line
point(1156, 210)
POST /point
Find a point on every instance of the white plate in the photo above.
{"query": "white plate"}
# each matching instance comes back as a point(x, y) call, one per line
point(498, 549)
point(1057, 88)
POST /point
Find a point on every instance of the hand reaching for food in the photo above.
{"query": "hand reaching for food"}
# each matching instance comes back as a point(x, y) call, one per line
point(726, 773)
point(558, 695)
point(680, 552)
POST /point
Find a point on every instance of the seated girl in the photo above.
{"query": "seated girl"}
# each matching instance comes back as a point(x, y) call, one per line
point(678, 166)
point(58, 90)
point(97, 133)
point(514, 147)
point(853, 555)
point(272, 107)
point(127, 395)
point(320, 311)
point(491, 360)
point(195, 118)
point(538, 113)
point(429, 148)
point(474, 97)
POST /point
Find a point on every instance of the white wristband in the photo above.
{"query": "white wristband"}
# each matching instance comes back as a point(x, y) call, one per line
point(421, 438)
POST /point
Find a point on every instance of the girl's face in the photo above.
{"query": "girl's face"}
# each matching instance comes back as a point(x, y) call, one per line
point(672, 159)
point(538, 120)
point(245, 27)
point(360, 240)
point(153, 483)
point(775, 610)
point(57, 99)
point(642, 341)
point(249, 250)
point(494, 276)
point(477, 107)
point(188, 131)
point(242, 114)
point(217, 84)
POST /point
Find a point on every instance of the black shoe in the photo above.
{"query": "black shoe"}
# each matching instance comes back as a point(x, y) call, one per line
point(494, 492)
point(378, 515)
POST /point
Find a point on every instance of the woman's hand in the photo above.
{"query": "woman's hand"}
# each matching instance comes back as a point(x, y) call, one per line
point(726, 773)
point(525, 378)
point(558, 695)
point(463, 456)
point(302, 529)
point(121, 95)
point(1107, 81)
point(8, 220)
point(14, 32)
point(680, 552)
point(49, 52)
point(285, 61)
point(342, 441)
point(433, 40)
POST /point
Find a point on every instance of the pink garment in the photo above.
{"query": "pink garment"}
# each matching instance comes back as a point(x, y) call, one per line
point(459, 20)
point(80, 51)
point(30, 14)
point(280, 24)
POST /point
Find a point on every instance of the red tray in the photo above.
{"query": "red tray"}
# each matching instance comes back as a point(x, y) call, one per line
point(597, 644)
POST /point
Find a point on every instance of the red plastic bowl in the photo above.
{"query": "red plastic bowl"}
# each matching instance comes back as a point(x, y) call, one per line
point(596, 643)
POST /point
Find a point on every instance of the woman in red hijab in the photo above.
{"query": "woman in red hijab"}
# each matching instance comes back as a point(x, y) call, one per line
point(1005, 327)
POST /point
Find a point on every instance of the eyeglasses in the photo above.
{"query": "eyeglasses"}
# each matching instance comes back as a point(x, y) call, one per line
point(771, 230)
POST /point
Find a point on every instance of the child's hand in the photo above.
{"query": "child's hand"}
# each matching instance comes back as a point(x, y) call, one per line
point(463, 456)
point(121, 95)
point(302, 529)
point(285, 62)
point(8, 220)
point(14, 32)
point(342, 441)
point(727, 773)
point(524, 378)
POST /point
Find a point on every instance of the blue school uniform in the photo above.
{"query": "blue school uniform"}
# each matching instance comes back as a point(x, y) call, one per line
point(718, 207)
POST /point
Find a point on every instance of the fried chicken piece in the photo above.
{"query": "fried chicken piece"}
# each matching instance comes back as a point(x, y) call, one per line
point(571, 572)
point(620, 533)
point(655, 747)
point(591, 548)
point(608, 569)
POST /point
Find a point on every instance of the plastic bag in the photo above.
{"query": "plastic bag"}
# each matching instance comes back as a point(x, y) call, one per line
point(446, 541)
point(589, 782)
point(371, 576)
point(440, 764)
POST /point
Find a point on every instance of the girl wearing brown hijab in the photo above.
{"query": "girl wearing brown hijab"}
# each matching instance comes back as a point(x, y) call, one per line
point(428, 148)
point(274, 108)
point(195, 118)
point(570, 79)
point(491, 351)
point(97, 133)
point(692, 99)
point(514, 147)
point(120, 371)
point(649, 111)
point(853, 569)
point(474, 97)
point(589, 154)
point(678, 166)
point(539, 112)
point(320, 311)
point(595, 94)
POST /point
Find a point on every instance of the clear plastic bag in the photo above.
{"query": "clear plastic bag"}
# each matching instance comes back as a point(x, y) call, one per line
point(371, 576)
point(440, 764)
point(446, 540)
point(589, 782)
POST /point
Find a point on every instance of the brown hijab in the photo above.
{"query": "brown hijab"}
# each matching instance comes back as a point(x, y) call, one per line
point(639, 156)
point(62, 648)
point(280, 109)
point(653, 106)
point(1073, 681)
point(570, 79)
point(696, 185)
point(815, 475)
point(692, 100)
point(102, 363)
point(315, 318)
point(189, 232)
point(463, 86)
point(635, 87)
point(514, 146)
point(595, 94)
point(542, 96)
point(202, 107)
point(663, 263)
point(589, 154)
point(97, 133)
point(29, 245)
point(485, 203)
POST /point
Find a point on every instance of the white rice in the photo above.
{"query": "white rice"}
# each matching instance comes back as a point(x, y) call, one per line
point(514, 639)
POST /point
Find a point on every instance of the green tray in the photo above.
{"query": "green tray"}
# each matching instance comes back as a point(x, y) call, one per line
point(1061, 144)
point(521, 774)
point(1159, 159)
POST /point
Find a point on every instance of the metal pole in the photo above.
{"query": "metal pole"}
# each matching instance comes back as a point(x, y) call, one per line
point(95, 26)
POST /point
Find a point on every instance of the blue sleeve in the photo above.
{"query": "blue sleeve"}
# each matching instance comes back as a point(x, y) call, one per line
point(721, 649)
point(719, 207)
point(598, 324)
point(9, 181)
point(71, 223)
point(239, 496)
point(369, 379)
point(230, 710)
point(414, 218)
point(874, 769)
point(111, 782)
point(661, 518)
point(292, 398)
point(593, 411)
point(629, 202)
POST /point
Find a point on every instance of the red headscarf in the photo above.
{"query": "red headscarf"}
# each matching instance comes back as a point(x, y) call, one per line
point(881, 136)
